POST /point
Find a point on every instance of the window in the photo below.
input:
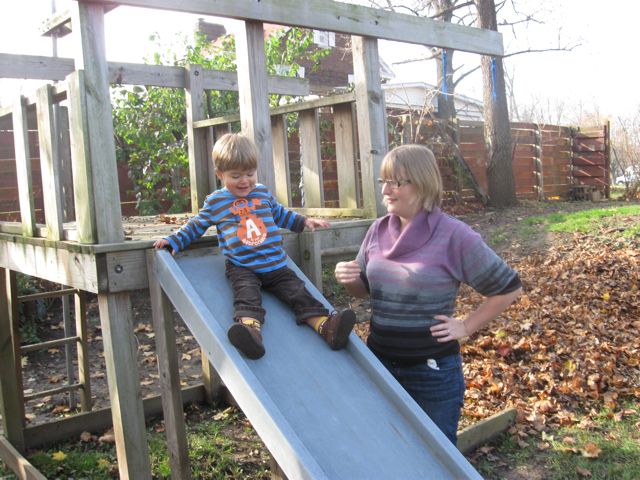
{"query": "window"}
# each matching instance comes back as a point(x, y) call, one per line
point(324, 39)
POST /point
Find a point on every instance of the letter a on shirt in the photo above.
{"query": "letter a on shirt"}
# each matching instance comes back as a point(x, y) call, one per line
point(251, 230)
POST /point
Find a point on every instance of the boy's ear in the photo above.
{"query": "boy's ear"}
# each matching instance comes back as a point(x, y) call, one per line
point(218, 174)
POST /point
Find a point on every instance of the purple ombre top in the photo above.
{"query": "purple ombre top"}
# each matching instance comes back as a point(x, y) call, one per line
point(414, 274)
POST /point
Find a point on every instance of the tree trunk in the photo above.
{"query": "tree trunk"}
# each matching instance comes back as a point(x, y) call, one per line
point(497, 132)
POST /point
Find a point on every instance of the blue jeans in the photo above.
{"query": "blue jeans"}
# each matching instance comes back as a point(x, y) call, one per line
point(437, 386)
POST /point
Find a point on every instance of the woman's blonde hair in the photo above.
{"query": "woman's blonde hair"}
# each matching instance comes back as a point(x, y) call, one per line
point(417, 164)
point(234, 151)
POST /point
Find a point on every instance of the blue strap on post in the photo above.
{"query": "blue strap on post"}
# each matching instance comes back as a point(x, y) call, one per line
point(494, 93)
point(444, 71)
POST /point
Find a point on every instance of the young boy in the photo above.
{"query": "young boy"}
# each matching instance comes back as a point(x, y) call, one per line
point(248, 219)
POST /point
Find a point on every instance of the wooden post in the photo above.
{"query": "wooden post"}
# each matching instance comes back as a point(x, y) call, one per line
point(254, 96)
point(310, 159)
point(199, 159)
point(92, 126)
point(281, 159)
point(23, 167)
point(311, 257)
point(538, 164)
point(345, 155)
point(215, 391)
point(121, 361)
point(11, 405)
point(372, 122)
point(84, 376)
point(17, 463)
point(49, 164)
point(168, 369)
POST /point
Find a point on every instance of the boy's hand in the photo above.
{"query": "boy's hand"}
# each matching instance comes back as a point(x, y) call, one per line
point(162, 243)
point(313, 223)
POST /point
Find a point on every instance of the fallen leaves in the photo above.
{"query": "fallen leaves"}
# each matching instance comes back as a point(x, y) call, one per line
point(571, 343)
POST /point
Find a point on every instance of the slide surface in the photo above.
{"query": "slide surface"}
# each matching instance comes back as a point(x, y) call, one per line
point(322, 414)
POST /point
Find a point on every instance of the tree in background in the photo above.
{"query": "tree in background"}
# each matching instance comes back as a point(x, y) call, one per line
point(497, 130)
point(150, 122)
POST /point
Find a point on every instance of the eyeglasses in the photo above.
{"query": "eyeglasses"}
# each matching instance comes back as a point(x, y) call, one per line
point(394, 184)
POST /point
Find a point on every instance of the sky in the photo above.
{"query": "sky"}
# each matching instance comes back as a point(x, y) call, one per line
point(598, 73)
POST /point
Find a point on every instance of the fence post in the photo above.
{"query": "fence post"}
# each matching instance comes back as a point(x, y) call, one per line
point(538, 163)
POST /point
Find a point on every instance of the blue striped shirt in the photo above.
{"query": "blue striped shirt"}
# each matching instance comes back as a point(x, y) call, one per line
point(248, 228)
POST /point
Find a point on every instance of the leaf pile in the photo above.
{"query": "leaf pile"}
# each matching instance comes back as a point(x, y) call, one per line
point(569, 345)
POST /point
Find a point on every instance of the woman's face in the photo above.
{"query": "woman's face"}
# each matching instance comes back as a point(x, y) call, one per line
point(401, 200)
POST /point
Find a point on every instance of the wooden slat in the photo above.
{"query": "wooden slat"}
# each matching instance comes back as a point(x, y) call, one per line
point(253, 97)
point(50, 344)
point(49, 164)
point(199, 159)
point(83, 185)
point(168, 368)
point(340, 17)
point(23, 168)
point(345, 155)
point(310, 158)
point(372, 125)
point(281, 159)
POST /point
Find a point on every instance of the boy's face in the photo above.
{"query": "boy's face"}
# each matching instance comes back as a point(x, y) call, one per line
point(239, 182)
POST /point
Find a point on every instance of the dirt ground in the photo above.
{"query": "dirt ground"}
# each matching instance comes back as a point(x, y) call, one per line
point(46, 369)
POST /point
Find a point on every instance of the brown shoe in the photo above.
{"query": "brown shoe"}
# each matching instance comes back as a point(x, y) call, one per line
point(336, 329)
point(247, 339)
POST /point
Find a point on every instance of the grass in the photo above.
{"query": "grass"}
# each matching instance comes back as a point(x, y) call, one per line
point(602, 448)
point(586, 221)
point(221, 445)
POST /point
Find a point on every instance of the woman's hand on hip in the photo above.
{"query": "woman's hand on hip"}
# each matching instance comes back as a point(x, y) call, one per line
point(448, 329)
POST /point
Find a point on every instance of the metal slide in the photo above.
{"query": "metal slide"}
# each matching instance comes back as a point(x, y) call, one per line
point(322, 414)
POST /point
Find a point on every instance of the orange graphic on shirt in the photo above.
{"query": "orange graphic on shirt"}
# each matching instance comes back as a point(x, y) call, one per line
point(251, 230)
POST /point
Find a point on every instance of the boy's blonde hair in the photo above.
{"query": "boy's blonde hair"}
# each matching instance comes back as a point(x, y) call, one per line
point(234, 151)
point(417, 164)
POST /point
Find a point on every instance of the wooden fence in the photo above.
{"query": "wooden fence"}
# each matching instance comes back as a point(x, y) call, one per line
point(548, 162)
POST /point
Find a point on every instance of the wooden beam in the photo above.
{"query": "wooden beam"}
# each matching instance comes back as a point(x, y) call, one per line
point(17, 463)
point(97, 420)
point(485, 430)
point(339, 17)
point(58, 25)
point(199, 158)
point(11, 404)
point(120, 355)
point(253, 97)
point(372, 122)
point(329, 101)
point(168, 368)
point(89, 21)
point(121, 73)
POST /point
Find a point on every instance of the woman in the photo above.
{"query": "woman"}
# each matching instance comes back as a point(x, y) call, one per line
point(411, 263)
